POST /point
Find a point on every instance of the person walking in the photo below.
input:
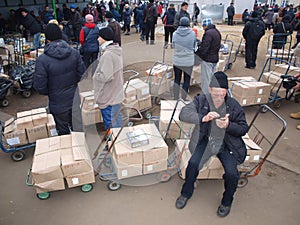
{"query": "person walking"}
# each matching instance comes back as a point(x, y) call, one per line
point(230, 13)
point(220, 124)
point(184, 41)
point(127, 19)
point(89, 40)
point(57, 73)
point(253, 31)
point(150, 20)
point(115, 26)
point(32, 25)
point(268, 19)
point(108, 79)
point(208, 52)
point(196, 13)
point(182, 13)
point(75, 19)
point(168, 21)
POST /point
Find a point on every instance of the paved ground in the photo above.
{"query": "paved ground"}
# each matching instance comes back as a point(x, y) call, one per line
point(270, 198)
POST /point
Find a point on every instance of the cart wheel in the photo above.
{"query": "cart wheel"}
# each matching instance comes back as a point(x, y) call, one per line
point(43, 196)
point(242, 182)
point(157, 100)
point(229, 66)
point(18, 156)
point(86, 187)
point(148, 115)
point(164, 177)
point(113, 185)
point(264, 109)
point(130, 124)
point(4, 102)
point(277, 104)
point(26, 94)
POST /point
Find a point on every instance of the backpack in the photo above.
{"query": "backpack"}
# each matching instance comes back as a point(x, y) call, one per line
point(257, 30)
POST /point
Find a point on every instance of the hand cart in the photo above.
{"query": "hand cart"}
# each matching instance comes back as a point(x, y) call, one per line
point(237, 49)
point(228, 54)
point(5, 85)
point(280, 49)
point(17, 153)
point(272, 72)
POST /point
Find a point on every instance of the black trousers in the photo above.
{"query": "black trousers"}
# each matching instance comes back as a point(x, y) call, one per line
point(63, 122)
point(89, 58)
point(187, 71)
point(196, 162)
point(230, 20)
point(150, 30)
point(169, 30)
point(251, 53)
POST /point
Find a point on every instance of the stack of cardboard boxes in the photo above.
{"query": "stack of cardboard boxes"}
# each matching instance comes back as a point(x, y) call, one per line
point(58, 158)
point(177, 128)
point(248, 91)
point(137, 95)
point(213, 168)
point(160, 77)
point(90, 111)
point(145, 159)
point(30, 126)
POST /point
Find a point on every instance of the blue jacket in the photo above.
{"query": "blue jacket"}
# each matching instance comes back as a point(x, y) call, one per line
point(57, 73)
point(127, 16)
point(170, 14)
point(232, 135)
point(91, 43)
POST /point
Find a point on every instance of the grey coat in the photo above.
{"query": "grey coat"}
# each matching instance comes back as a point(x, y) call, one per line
point(196, 110)
point(184, 41)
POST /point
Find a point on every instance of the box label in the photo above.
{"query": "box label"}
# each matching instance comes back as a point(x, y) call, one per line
point(124, 173)
point(13, 141)
point(256, 157)
point(145, 91)
point(258, 100)
point(75, 180)
point(247, 158)
point(260, 91)
point(53, 132)
point(244, 101)
point(149, 168)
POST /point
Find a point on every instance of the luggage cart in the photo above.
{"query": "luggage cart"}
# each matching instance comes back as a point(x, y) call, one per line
point(270, 75)
point(17, 153)
point(266, 142)
point(236, 49)
point(280, 49)
point(228, 54)
point(5, 85)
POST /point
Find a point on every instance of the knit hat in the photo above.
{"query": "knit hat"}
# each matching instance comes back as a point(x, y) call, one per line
point(219, 80)
point(89, 18)
point(72, 6)
point(108, 14)
point(206, 22)
point(52, 32)
point(184, 21)
point(106, 33)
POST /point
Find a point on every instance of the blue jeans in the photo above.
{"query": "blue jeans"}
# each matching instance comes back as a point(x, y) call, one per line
point(196, 162)
point(110, 115)
point(36, 40)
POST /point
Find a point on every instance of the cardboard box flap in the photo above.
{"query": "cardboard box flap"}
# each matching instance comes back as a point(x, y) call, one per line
point(65, 141)
point(42, 146)
point(251, 144)
point(46, 163)
point(80, 153)
point(52, 185)
point(78, 139)
point(54, 143)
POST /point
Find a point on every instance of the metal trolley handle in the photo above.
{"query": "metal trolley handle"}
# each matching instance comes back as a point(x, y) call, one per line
point(28, 180)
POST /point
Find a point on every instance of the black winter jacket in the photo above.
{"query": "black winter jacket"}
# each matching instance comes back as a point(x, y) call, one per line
point(196, 110)
point(210, 45)
point(31, 24)
point(179, 15)
point(281, 30)
point(248, 32)
point(170, 14)
point(57, 73)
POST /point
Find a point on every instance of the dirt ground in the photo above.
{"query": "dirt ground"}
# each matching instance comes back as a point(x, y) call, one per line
point(270, 198)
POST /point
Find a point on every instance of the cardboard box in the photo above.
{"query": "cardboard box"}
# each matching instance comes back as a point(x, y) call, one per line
point(39, 116)
point(244, 100)
point(85, 94)
point(142, 88)
point(80, 179)
point(145, 103)
point(129, 111)
point(37, 132)
point(16, 138)
point(129, 100)
point(160, 70)
point(46, 167)
point(90, 117)
point(130, 91)
point(170, 105)
point(254, 151)
point(126, 170)
point(24, 122)
point(159, 88)
point(52, 185)
point(51, 127)
point(54, 143)
point(176, 124)
point(42, 146)
point(155, 166)
point(8, 122)
point(216, 173)
point(89, 103)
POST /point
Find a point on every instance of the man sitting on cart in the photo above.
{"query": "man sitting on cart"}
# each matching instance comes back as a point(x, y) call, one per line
point(220, 124)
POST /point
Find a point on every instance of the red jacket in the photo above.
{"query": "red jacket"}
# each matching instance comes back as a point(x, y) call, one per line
point(81, 35)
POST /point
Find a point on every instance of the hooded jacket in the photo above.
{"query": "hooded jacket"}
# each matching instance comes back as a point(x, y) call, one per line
point(253, 30)
point(31, 24)
point(210, 45)
point(108, 77)
point(238, 127)
point(184, 41)
point(57, 73)
point(170, 14)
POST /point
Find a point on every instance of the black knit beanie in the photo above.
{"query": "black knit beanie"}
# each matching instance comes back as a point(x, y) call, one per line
point(106, 33)
point(53, 32)
point(219, 80)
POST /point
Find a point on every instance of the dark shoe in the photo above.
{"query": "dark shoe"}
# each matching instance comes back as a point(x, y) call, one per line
point(248, 67)
point(152, 42)
point(127, 33)
point(147, 42)
point(181, 202)
point(223, 210)
point(142, 38)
